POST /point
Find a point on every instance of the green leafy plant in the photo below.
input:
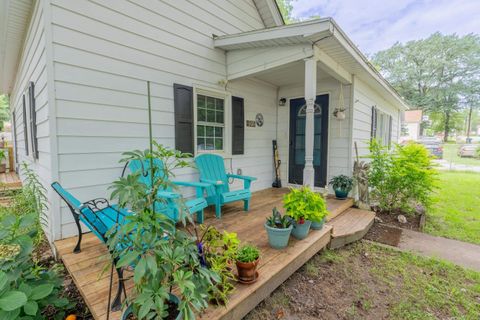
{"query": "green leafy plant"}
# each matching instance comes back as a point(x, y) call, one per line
point(26, 288)
point(276, 220)
point(401, 178)
point(165, 259)
point(304, 204)
point(2, 155)
point(342, 182)
point(248, 253)
point(219, 251)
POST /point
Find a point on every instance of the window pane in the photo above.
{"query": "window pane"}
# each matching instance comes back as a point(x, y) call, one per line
point(219, 104)
point(201, 101)
point(219, 132)
point(201, 143)
point(210, 103)
point(219, 117)
point(202, 115)
point(200, 131)
point(209, 131)
point(209, 144)
point(218, 144)
point(210, 115)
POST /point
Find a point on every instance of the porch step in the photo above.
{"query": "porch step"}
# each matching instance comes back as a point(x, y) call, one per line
point(337, 207)
point(350, 226)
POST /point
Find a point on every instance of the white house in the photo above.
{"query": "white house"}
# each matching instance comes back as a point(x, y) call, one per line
point(76, 73)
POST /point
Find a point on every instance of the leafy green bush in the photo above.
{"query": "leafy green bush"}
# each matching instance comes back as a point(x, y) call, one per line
point(401, 178)
point(305, 204)
point(166, 259)
point(219, 251)
point(248, 253)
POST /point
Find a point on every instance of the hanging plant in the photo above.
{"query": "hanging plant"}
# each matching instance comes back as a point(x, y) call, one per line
point(339, 112)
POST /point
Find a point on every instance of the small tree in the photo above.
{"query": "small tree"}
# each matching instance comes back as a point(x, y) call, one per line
point(401, 178)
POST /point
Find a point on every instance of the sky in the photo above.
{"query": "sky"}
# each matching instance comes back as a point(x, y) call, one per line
point(376, 25)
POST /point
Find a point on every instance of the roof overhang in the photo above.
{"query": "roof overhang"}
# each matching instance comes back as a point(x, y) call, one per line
point(14, 20)
point(325, 39)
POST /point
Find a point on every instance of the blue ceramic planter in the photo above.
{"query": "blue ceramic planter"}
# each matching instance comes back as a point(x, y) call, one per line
point(341, 194)
point(278, 238)
point(300, 231)
point(317, 225)
point(127, 312)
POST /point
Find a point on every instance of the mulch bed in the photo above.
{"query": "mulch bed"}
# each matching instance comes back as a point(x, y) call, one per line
point(44, 255)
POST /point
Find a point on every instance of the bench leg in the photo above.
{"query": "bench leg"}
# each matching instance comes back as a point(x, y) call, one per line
point(200, 216)
point(246, 204)
point(218, 210)
point(117, 302)
point(77, 248)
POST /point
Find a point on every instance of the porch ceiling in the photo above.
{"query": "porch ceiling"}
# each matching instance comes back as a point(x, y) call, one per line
point(289, 75)
point(14, 17)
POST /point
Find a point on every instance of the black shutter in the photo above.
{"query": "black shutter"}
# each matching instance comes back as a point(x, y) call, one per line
point(238, 125)
point(33, 120)
point(14, 133)
point(25, 133)
point(390, 120)
point(373, 131)
point(184, 126)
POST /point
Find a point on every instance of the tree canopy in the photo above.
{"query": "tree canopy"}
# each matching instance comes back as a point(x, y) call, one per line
point(4, 110)
point(440, 74)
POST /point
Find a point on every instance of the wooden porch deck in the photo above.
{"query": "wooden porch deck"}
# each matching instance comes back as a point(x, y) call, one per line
point(275, 265)
point(10, 180)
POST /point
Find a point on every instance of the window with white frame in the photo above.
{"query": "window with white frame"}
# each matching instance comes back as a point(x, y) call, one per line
point(210, 123)
point(383, 127)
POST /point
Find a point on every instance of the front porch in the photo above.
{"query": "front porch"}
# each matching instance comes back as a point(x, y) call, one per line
point(345, 224)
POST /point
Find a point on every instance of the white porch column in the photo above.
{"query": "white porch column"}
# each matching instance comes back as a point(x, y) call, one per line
point(310, 95)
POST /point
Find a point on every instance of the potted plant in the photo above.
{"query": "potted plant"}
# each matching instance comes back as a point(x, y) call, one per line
point(297, 205)
point(342, 185)
point(318, 211)
point(3, 166)
point(278, 229)
point(219, 254)
point(170, 279)
point(247, 261)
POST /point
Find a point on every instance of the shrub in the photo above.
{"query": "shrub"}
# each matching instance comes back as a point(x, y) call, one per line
point(305, 204)
point(401, 178)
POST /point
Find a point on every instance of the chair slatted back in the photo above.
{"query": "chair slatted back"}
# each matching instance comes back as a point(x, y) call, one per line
point(144, 169)
point(212, 167)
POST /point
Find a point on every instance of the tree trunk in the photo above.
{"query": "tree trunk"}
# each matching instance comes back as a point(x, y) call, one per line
point(469, 123)
point(447, 127)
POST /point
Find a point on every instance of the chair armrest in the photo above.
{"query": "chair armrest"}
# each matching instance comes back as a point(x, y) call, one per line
point(168, 195)
point(191, 184)
point(236, 176)
point(215, 183)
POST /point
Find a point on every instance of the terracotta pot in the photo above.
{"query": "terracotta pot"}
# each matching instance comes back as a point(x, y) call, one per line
point(247, 271)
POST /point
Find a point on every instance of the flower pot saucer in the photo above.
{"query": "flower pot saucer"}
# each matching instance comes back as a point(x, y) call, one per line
point(249, 282)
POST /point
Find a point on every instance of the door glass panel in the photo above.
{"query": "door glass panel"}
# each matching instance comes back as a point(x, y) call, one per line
point(300, 126)
point(300, 157)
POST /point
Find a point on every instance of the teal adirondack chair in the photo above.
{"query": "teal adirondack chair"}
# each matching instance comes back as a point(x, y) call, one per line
point(212, 171)
point(169, 206)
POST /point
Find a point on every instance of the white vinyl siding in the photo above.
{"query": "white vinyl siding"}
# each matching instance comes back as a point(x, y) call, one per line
point(32, 67)
point(364, 98)
point(105, 51)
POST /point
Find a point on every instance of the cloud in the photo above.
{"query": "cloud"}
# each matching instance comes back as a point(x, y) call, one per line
point(376, 25)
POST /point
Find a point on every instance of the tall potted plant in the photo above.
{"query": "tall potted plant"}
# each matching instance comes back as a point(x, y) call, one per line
point(319, 211)
point(342, 185)
point(278, 229)
point(165, 259)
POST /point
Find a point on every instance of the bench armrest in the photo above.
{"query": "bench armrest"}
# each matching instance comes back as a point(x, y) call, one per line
point(191, 184)
point(168, 195)
point(215, 183)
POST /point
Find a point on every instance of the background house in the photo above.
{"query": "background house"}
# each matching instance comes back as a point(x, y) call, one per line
point(76, 74)
point(412, 125)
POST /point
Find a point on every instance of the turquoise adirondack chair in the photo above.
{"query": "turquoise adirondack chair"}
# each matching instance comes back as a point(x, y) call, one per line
point(212, 171)
point(170, 205)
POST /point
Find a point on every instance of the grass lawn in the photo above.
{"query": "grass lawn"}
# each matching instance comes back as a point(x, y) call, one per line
point(456, 212)
point(367, 281)
point(450, 154)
